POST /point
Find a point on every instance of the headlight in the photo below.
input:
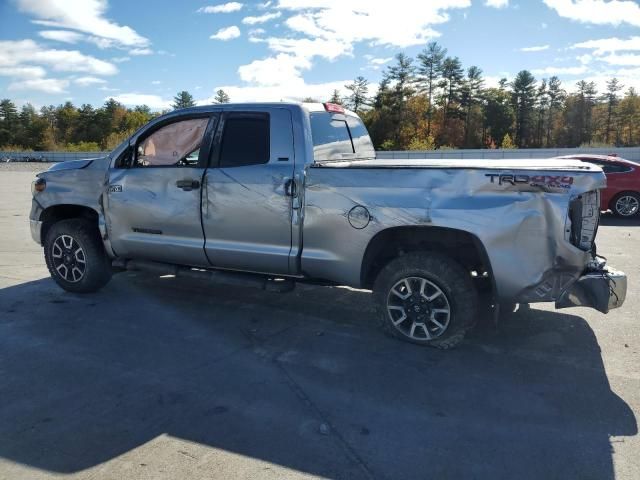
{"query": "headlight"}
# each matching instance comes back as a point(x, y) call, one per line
point(38, 185)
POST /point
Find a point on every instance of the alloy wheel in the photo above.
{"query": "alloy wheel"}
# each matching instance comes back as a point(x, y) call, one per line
point(418, 308)
point(627, 205)
point(68, 258)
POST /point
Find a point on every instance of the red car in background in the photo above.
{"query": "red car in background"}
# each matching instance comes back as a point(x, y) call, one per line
point(622, 195)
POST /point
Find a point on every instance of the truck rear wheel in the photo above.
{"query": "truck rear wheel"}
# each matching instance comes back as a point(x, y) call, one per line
point(425, 298)
point(75, 256)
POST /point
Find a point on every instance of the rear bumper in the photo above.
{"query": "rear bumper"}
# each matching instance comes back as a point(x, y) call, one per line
point(36, 228)
point(602, 289)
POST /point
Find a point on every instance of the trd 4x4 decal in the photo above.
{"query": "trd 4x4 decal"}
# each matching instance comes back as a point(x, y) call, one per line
point(549, 181)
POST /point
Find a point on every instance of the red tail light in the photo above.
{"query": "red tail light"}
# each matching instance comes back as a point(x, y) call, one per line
point(333, 107)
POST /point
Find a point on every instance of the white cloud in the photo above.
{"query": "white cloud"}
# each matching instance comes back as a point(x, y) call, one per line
point(223, 8)
point(254, 35)
point(120, 59)
point(22, 72)
point(140, 51)
point(272, 71)
point(87, 81)
point(598, 12)
point(261, 18)
point(156, 82)
point(610, 45)
point(227, 33)
point(497, 3)
point(46, 85)
point(27, 52)
point(584, 59)
point(84, 16)
point(380, 61)
point(132, 99)
point(628, 60)
point(295, 90)
point(65, 36)
point(538, 48)
point(560, 70)
point(330, 29)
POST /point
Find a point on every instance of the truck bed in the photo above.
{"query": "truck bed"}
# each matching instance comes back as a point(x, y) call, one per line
point(501, 164)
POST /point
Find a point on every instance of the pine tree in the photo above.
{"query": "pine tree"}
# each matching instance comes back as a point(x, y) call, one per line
point(358, 96)
point(556, 96)
point(586, 99)
point(335, 97)
point(402, 78)
point(523, 97)
point(542, 101)
point(221, 97)
point(452, 74)
point(471, 95)
point(611, 97)
point(8, 122)
point(183, 99)
point(429, 70)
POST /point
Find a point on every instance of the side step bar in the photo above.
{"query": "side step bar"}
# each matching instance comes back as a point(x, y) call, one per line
point(240, 279)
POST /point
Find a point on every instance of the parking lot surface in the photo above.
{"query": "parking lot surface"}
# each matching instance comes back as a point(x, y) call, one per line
point(164, 378)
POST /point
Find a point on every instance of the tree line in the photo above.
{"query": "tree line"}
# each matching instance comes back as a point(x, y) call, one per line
point(421, 103)
point(81, 129)
point(432, 101)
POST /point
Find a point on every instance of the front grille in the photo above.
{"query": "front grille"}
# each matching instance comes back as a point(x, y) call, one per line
point(584, 214)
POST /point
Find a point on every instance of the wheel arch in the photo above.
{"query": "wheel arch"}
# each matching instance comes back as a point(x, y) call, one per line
point(55, 213)
point(462, 246)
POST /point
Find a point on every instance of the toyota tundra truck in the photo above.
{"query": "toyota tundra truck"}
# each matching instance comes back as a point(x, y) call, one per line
point(278, 193)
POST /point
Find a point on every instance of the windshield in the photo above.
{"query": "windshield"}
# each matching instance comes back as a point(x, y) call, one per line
point(336, 137)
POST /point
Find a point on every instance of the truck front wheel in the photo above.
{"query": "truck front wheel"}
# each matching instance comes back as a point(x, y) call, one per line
point(75, 256)
point(425, 298)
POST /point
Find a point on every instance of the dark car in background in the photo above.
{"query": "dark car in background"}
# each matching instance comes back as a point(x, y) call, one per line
point(622, 195)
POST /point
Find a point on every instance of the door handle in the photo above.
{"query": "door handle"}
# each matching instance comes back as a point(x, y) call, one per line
point(290, 188)
point(188, 185)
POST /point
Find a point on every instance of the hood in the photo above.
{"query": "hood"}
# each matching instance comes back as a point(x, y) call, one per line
point(71, 165)
point(546, 164)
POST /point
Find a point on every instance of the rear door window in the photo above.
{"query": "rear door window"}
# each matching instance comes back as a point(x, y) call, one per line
point(245, 140)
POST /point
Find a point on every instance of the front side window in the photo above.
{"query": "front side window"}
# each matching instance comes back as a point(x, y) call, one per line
point(245, 140)
point(177, 144)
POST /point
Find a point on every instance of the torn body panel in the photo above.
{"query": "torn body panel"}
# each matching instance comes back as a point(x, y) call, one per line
point(521, 221)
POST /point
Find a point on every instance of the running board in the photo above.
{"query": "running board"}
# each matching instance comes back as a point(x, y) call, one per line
point(240, 279)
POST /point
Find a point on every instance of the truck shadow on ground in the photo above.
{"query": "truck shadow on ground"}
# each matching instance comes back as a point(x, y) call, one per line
point(302, 380)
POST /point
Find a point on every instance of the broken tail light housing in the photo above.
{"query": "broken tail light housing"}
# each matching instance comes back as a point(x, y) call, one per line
point(333, 108)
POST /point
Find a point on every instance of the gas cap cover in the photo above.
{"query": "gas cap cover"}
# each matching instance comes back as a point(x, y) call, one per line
point(359, 217)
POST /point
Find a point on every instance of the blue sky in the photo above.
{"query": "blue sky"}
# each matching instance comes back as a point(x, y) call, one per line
point(144, 52)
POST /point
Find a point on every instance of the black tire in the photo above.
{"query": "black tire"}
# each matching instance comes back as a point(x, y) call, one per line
point(617, 206)
point(441, 273)
point(96, 268)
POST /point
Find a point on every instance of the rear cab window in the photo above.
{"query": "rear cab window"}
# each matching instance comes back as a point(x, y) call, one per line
point(338, 136)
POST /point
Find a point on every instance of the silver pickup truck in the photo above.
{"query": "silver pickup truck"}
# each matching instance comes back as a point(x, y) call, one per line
point(281, 193)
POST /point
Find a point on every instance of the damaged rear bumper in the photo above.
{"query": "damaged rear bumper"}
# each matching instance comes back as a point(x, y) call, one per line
point(603, 289)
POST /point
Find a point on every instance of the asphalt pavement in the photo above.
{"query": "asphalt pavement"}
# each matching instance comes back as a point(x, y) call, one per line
point(172, 378)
